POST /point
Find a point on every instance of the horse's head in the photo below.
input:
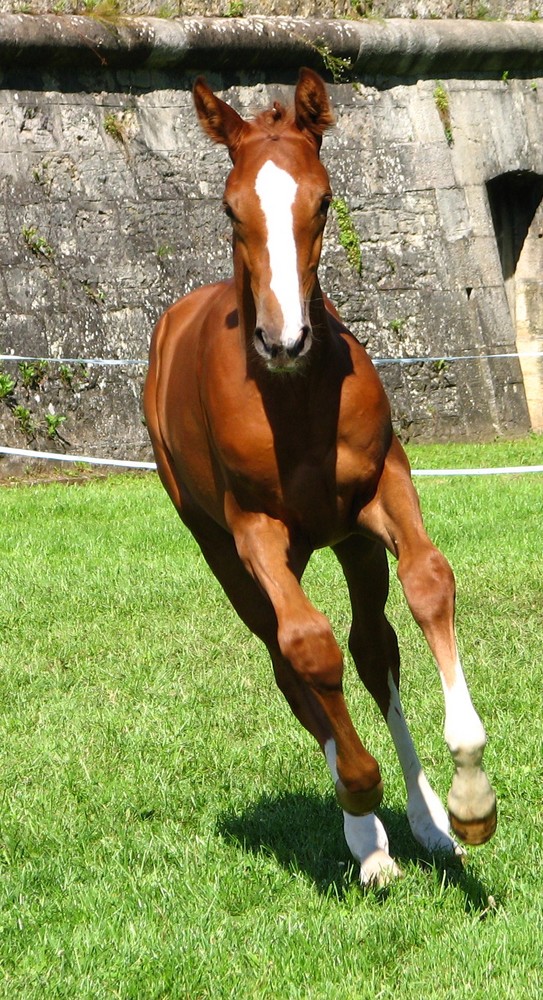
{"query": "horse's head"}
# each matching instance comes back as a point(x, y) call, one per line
point(277, 196)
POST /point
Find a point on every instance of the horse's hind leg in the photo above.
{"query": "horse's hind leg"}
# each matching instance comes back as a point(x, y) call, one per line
point(428, 583)
point(374, 648)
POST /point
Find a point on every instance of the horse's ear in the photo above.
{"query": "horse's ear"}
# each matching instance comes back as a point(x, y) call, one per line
point(217, 118)
point(312, 105)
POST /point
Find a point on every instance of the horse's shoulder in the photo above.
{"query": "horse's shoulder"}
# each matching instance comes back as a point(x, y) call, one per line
point(199, 299)
point(363, 398)
point(359, 360)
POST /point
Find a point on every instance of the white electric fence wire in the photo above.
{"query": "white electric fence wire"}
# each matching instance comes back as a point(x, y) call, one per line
point(83, 459)
point(512, 470)
point(128, 464)
point(438, 359)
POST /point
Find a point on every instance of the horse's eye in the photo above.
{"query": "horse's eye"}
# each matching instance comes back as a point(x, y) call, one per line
point(228, 211)
point(325, 204)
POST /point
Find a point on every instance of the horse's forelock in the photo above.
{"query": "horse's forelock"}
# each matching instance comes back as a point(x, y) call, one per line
point(275, 119)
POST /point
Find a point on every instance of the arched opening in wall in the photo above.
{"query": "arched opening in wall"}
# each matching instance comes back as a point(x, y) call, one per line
point(516, 205)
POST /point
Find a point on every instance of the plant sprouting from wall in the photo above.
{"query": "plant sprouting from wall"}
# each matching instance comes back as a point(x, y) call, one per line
point(348, 236)
point(7, 385)
point(33, 374)
point(397, 325)
point(340, 69)
point(94, 293)
point(236, 8)
point(115, 127)
point(73, 376)
point(164, 250)
point(37, 244)
point(24, 419)
point(53, 421)
point(441, 99)
point(103, 10)
point(361, 8)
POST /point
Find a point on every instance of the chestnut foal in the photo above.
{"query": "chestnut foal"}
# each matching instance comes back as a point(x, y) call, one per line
point(272, 435)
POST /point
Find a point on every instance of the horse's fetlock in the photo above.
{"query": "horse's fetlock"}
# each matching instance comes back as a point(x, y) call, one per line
point(358, 800)
point(465, 736)
point(469, 756)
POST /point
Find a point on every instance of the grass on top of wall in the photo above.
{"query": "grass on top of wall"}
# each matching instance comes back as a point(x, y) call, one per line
point(167, 828)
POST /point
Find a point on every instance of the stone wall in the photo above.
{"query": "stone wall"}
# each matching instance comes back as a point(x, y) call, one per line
point(110, 209)
point(353, 9)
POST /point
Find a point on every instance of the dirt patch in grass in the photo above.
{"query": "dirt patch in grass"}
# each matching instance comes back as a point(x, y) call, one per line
point(44, 473)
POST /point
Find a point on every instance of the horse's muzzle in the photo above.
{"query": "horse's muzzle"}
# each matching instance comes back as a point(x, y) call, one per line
point(279, 355)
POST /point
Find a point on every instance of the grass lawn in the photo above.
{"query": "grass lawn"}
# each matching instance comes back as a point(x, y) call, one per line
point(169, 831)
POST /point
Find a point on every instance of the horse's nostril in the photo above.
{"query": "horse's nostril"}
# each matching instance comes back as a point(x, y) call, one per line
point(273, 350)
point(297, 348)
point(262, 343)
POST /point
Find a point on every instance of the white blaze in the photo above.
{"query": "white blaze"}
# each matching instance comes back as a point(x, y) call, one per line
point(276, 190)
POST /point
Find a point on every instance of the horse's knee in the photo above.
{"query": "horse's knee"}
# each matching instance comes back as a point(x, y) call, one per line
point(428, 584)
point(311, 649)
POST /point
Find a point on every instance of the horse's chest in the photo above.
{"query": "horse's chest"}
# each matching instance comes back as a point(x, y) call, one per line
point(313, 491)
point(291, 462)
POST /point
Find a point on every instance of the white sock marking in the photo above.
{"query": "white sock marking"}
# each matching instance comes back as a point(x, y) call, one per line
point(464, 731)
point(276, 190)
point(427, 817)
point(365, 835)
point(471, 796)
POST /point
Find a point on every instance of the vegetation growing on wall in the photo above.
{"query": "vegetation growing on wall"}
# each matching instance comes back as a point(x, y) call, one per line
point(340, 69)
point(348, 236)
point(441, 99)
point(36, 243)
point(22, 392)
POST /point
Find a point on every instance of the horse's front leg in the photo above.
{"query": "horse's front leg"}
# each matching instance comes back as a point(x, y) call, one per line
point(309, 657)
point(429, 588)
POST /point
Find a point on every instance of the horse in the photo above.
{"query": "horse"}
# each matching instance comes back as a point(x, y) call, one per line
point(272, 435)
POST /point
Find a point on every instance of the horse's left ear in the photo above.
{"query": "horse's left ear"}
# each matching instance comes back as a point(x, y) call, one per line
point(312, 105)
point(217, 118)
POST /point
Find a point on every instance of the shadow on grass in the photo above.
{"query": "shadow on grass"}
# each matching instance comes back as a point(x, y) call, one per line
point(304, 833)
point(447, 870)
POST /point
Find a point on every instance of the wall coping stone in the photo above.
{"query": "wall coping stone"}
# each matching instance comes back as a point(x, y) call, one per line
point(396, 46)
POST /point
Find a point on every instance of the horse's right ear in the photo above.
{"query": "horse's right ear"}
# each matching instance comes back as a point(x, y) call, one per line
point(217, 118)
point(312, 105)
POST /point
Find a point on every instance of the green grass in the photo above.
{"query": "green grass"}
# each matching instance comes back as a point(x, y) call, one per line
point(167, 829)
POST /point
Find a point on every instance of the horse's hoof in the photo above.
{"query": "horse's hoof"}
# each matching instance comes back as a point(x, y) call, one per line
point(358, 803)
point(475, 832)
point(378, 870)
